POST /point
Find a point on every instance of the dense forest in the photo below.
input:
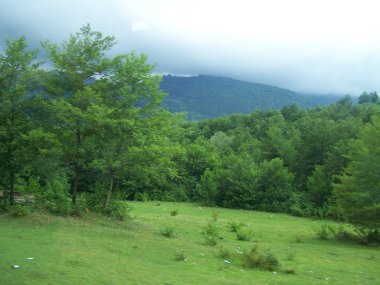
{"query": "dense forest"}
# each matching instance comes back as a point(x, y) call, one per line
point(205, 97)
point(86, 131)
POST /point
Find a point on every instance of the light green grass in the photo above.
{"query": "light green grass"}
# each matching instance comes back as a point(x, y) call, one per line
point(94, 250)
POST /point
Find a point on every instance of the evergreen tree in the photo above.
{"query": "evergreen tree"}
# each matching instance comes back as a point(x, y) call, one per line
point(358, 193)
point(16, 82)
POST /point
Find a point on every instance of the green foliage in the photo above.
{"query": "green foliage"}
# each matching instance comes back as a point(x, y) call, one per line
point(93, 127)
point(117, 209)
point(16, 73)
point(174, 212)
point(325, 232)
point(243, 235)
point(19, 211)
point(211, 233)
point(234, 226)
point(256, 258)
point(225, 253)
point(210, 96)
point(357, 193)
point(167, 231)
point(207, 188)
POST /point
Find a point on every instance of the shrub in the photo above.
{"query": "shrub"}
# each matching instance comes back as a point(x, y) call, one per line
point(141, 196)
point(325, 232)
point(174, 212)
point(58, 203)
point(243, 235)
point(256, 258)
point(168, 232)
point(3, 208)
point(211, 233)
point(19, 211)
point(117, 210)
point(234, 226)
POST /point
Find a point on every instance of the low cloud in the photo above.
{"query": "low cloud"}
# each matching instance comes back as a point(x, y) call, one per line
point(306, 46)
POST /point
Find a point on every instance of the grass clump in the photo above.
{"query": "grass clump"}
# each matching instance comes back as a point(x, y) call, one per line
point(174, 212)
point(234, 226)
point(211, 233)
point(167, 231)
point(325, 232)
point(256, 258)
point(243, 235)
point(225, 253)
point(180, 256)
point(289, 271)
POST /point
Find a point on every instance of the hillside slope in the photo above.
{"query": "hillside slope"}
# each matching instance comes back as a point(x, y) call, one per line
point(211, 96)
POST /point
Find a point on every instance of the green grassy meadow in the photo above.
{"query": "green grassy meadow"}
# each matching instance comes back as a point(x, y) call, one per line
point(95, 250)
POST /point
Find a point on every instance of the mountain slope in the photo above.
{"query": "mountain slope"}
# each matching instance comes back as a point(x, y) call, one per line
point(211, 96)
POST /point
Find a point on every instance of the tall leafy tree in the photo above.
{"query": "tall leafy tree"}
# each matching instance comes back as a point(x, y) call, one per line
point(358, 193)
point(16, 69)
point(78, 67)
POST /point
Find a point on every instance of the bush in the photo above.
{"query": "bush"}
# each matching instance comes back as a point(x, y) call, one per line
point(141, 196)
point(325, 232)
point(211, 233)
point(19, 211)
point(174, 212)
point(4, 208)
point(117, 210)
point(256, 258)
point(243, 235)
point(58, 203)
point(168, 232)
point(234, 226)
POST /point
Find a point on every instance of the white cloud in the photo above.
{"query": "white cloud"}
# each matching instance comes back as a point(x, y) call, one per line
point(310, 46)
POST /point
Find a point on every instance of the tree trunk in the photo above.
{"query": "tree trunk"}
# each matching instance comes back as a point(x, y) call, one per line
point(110, 189)
point(11, 187)
point(74, 187)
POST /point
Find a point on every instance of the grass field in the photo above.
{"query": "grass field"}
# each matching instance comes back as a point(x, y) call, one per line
point(94, 250)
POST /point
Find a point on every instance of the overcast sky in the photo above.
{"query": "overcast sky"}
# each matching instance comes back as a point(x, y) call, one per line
point(313, 46)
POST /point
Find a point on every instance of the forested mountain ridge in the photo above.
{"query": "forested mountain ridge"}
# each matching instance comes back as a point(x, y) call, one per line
point(207, 96)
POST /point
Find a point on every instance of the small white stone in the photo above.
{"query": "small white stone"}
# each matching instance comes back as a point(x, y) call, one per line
point(15, 266)
point(30, 258)
point(227, 261)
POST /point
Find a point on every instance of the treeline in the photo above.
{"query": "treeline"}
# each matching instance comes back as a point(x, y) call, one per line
point(85, 130)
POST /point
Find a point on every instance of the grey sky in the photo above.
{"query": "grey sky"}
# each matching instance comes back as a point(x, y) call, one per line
point(313, 46)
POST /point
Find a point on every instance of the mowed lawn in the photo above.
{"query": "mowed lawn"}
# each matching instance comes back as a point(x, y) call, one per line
point(95, 250)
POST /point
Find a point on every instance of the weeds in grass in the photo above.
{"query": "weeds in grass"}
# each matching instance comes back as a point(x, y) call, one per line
point(289, 271)
point(325, 232)
point(167, 231)
point(243, 235)
point(290, 255)
point(298, 239)
point(211, 233)
point(234, 226)
point(174, 212)
point(224, 253)
point(180, 256)
point(256, 258)
point(214, 216)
